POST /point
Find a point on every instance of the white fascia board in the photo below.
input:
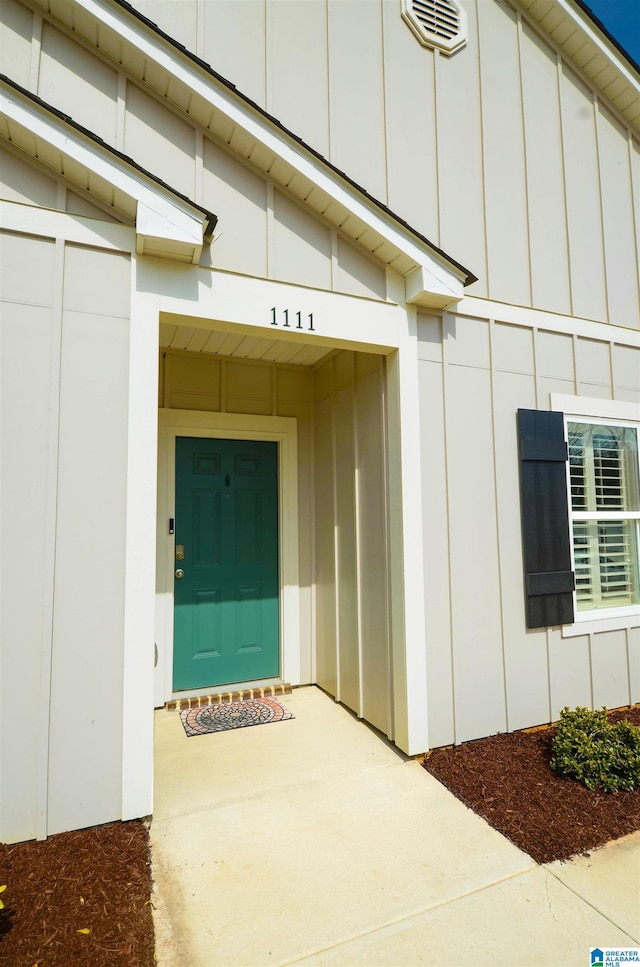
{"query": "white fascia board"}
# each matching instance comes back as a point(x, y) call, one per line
point(584, 23)
point(160, 215)
point(437, 274)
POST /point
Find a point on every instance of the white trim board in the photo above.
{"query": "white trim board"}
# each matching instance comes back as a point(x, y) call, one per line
point(208, 298)
point(544, 320)
point(232, 426)
point(82, 230)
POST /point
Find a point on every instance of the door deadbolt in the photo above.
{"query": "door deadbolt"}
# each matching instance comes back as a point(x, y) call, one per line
point(179, 573)
point(179, 552)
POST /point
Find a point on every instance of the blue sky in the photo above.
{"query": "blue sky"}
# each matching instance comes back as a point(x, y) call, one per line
point(622, 20)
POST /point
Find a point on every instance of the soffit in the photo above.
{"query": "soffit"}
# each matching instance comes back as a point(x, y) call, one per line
point(238, 346)
point(591, 49)
point(152, 58)
point(83, 179)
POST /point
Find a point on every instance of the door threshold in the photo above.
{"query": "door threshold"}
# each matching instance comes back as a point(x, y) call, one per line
point(227, 694)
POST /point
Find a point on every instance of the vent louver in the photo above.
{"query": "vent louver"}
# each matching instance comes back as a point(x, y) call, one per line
point(437, 23)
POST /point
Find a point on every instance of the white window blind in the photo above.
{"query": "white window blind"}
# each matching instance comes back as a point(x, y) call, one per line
point(605, 510)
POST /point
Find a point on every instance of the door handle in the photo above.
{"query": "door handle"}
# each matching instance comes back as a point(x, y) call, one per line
point(179, 573)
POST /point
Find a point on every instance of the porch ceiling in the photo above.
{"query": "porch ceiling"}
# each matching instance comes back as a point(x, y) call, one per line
point(218, 342)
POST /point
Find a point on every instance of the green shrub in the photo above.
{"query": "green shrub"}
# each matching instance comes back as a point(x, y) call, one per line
point(588, 748)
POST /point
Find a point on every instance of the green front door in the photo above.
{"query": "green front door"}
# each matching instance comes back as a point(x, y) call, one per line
point(226, 584)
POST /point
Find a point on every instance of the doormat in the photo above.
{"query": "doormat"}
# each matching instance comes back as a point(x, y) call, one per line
point(233, 715)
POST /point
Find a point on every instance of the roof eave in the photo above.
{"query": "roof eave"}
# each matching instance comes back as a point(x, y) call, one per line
point(168, 225)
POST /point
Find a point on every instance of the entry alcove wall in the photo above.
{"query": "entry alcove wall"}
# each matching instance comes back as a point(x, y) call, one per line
point(339, 408)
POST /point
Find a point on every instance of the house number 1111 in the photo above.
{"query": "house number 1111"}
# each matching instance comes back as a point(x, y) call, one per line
point(297, 320)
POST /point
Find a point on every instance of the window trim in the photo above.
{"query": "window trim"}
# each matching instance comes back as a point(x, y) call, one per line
point(590, 410)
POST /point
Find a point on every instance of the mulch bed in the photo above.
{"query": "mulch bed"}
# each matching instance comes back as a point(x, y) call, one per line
point(96, 880)
point(506, 779)
point(99, 879)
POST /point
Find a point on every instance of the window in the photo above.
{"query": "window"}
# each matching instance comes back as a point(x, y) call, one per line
point(580, 511)
point(604, 482)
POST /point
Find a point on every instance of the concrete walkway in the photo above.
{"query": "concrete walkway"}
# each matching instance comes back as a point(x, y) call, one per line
point(313, 841)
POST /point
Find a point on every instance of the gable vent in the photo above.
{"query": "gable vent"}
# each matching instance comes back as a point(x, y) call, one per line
point(441, 24)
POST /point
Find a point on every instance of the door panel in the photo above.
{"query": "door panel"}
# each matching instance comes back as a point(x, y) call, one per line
point(226, 622)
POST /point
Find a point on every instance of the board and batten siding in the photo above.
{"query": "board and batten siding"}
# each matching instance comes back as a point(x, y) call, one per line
point(486, 672)
point(502, 154)
point(351, 579)
point(65, 351)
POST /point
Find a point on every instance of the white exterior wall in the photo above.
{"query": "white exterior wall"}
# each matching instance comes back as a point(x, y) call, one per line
point(453, 145)
point(486, 672)
point(353, 643)
point(65, 352)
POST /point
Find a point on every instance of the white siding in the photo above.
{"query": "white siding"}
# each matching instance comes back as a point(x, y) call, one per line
point(232, 39)
point(16, 30)
point(160, 140)
point(297, 82)
point(177, 19)
point(569, 672)
point(437, 587)
point(21, 182)
point(633, 650)
point(27, 350)
point(457, 129)
point(352, 641)
point(504, 169)
point(346, 577)
point(356, 272)
point(583, 200)
point(621, 256)
point(486, 672)
point(325, 563)
point(76, 82)
point(239, 199)
point(85, 764)
point(545, 181)
point(372, 544)
point(475, 600)
point(356, 93)
point(409, 100)
point(65, 345)
point(610, 669)
point(301, 245)
point(525, 653)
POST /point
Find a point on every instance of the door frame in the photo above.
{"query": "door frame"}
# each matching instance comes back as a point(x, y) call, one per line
point(230, 426)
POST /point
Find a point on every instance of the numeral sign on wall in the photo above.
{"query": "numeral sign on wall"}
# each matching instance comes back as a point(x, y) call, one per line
point(298, 319)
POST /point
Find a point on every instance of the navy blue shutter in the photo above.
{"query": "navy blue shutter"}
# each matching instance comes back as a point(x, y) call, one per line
point(549, 580)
